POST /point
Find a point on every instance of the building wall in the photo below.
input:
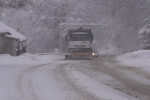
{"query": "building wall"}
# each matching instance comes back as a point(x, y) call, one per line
point(10, 46)
point(3, 45)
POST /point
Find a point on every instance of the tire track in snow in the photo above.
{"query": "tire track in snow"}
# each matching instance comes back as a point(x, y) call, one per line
point(128, 85)
point(25, 85)
point(62, 74)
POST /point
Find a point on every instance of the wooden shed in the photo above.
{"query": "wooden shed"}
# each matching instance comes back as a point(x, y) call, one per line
point(11, 42)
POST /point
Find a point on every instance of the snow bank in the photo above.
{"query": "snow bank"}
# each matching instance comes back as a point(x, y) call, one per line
point(6, 59)
point(139, 58)
point(13, 33)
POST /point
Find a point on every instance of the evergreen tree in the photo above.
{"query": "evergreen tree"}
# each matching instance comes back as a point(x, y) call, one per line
point(144, 37)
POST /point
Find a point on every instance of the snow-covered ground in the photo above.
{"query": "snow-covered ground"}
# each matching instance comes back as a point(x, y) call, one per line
point(140, 59)
point(17, 82)
point(27, 59)
point(50, 77)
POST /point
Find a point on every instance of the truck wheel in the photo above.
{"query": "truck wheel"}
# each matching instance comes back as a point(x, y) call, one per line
point(90, 57)
point(66, 57)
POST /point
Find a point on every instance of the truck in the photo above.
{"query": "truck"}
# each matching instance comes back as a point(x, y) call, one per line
point(79, 43)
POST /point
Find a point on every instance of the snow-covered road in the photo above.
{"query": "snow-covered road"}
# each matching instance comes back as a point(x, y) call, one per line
point(59, 79)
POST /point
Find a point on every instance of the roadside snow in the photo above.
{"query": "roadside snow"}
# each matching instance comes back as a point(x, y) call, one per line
point(28, 59)
point(17, 82)
point(139, 58)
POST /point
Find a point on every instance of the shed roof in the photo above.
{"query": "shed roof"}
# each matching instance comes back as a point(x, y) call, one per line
point(13, 34)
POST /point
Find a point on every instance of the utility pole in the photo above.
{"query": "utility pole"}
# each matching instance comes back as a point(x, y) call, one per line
point(64, 12)
point(66, 3)
point(58, 1)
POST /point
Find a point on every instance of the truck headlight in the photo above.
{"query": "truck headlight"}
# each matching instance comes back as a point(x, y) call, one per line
point(83, 43)
point(93, 54)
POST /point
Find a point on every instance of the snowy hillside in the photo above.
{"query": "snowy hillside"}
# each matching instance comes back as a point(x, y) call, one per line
point(139, 58)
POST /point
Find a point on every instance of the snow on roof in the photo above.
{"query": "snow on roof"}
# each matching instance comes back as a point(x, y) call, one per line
point(13, 33)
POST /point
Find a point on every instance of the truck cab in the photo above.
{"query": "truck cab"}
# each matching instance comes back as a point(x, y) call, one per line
point(79, 43)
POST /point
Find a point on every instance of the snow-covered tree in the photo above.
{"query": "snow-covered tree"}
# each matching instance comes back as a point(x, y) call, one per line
point(17, 4)
point(144, 37)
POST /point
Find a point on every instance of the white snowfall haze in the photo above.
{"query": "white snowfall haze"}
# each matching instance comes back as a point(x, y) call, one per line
point(39, 20)
point(114, 71)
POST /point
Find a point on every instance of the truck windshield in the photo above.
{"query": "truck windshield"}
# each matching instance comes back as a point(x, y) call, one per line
point(80, 50)
point(81, 36)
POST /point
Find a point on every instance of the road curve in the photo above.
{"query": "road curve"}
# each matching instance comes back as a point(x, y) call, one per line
point(76, 80)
